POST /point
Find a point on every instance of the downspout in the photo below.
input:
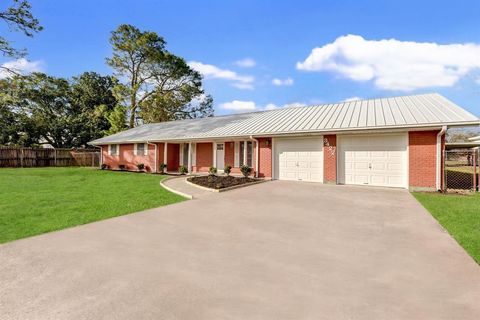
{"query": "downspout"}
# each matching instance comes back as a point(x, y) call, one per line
point(439, 157)
point(257, 147)
point(156, 155)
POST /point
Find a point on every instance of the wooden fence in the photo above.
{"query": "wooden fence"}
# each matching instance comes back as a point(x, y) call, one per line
point(48, 157)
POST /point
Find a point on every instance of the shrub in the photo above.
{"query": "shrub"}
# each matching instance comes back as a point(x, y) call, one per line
point(227, 169)
point(163, 166)
point(183, 170)
point(104, 166)
point(212, 171)
point(140, 166)
point(121, 167)
point(245, 170)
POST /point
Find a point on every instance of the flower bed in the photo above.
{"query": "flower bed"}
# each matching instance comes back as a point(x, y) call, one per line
point(220, 182)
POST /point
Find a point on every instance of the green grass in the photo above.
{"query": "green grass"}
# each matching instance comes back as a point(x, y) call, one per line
point(39, 200)
point(459, 214)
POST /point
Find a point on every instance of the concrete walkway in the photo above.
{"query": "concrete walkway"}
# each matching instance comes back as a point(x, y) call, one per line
point(275, 250)
point(180, 184)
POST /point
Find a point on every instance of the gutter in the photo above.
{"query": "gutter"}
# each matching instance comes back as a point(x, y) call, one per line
point(156, 154)
point(439, 157)
point(257, 147)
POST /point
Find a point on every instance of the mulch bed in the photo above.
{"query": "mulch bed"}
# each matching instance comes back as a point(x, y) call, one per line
point(220, 182)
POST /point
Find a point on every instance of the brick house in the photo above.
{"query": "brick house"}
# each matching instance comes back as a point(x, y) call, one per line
point(392, 142)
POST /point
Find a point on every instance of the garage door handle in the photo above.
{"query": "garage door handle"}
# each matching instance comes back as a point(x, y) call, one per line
point(369, 166)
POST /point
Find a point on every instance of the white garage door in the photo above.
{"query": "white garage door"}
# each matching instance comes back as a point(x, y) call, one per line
point(377, 160)
point(299, 159)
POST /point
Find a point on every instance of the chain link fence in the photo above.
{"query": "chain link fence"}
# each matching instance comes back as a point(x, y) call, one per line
point(461, 170)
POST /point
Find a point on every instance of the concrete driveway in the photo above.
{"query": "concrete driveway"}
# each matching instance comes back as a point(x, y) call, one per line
point(276, 250)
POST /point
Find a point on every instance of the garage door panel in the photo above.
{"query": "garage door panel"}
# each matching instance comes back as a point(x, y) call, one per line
point(373, 159)
point(303, 159)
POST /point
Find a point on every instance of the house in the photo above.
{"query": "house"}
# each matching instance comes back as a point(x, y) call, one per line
point(392, 142)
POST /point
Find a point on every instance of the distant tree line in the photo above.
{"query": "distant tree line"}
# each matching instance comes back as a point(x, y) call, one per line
point(150, 84)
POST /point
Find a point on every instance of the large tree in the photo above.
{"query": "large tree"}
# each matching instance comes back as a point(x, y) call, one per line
point(56, 111)
point(152, 74)
point(18, 18)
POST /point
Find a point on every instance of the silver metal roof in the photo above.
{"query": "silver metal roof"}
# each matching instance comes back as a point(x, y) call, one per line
point(425, 110)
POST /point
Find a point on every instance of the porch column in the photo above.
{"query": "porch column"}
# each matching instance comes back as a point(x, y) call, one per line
point(165, 153)
point(214, 154)
point(189, 157)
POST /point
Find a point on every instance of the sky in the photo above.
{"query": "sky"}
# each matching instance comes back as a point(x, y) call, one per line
point(260, 55)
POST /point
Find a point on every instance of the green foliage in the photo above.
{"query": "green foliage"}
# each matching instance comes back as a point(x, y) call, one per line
point(18, 17)
point(183, 170)
point(163, 166)
point(227, 169)
point(38, 108)
point(160, 86)
point(212, 171)
point(117, 119)
point(39, 200)
point(246, 170)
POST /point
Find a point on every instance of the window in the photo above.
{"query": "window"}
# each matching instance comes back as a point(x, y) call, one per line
point(141, 149)
point(249, 153)
point(246, 153)
point(113, 149)
point(185, 154)
point(242, 152)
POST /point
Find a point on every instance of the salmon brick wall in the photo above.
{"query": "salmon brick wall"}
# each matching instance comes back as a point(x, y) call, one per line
point(265, 157)
point(204, 157)
point(330, 159)
point(128, 158)
point(422, 149)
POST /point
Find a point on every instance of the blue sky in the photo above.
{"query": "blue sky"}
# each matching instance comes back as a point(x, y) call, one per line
point(394, 48)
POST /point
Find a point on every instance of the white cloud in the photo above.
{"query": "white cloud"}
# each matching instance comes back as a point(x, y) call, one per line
point(243, 106)
point(282, 82)
point(395, 65)
point(212, 72)
point(351, 99)
point(246, 63)
point(22, 66)
point(238, 105)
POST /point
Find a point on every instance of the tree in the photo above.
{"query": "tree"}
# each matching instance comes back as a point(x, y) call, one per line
point(18, 18)
point(153, 74)
point(54, 110)
point(117, 120)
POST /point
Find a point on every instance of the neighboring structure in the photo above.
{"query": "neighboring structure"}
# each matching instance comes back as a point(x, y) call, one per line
point(393, 142)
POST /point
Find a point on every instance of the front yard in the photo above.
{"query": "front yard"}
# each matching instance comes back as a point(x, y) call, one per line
point(39, 200)
point(459, 214)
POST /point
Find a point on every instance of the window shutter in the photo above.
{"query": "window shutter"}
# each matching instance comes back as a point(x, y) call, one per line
point(145, 149)
point(236, 160)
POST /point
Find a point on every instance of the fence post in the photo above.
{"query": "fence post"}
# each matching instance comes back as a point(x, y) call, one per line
point(21, 158)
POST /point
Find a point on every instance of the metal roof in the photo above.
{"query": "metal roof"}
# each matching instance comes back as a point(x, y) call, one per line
point(424, 110)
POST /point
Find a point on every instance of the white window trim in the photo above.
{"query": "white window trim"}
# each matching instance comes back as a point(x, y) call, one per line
point(237, 153)
point(117, 149)
point(145, 149)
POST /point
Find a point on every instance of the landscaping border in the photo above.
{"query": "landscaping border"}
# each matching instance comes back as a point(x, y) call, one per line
point(225, 189)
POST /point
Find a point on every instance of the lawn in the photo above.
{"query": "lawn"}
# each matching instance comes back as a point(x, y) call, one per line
point(459, 214)
point(39, 200)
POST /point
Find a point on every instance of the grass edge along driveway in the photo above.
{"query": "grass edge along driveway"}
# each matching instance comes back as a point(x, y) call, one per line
point(39, 200)
point(459, 215)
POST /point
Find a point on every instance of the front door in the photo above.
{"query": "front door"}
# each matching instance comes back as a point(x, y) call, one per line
point(220, 156)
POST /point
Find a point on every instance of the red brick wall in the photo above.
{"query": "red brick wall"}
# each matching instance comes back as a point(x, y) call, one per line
point(422, 149)
point(128, 158)
point(173, 156)
point(330, 159)
point(229, 148)
point(265, 158)
point(160, 151)
point(204, 155)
